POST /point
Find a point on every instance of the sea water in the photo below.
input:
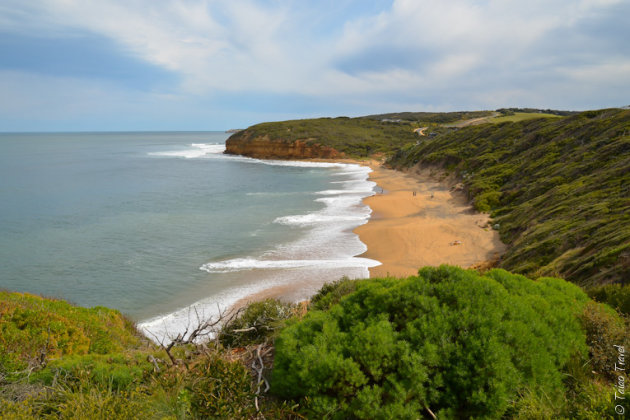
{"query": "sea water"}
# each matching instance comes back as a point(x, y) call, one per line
point(163, 225)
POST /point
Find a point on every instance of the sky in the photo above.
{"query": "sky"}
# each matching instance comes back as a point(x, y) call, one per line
point(133, 65)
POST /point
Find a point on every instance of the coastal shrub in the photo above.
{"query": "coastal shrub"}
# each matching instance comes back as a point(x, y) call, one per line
point(331, 293)
point(219, 388)
point(604, 330)
point(33, 329)
point(116, 370)
point(615, 295)
point(259, 320)
point(448, 340)
point(90, 403)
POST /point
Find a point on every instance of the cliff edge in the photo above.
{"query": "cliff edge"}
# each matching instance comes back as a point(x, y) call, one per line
point(263, 147)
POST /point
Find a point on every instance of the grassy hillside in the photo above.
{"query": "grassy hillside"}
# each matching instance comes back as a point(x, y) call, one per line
point(356, 137)
point(559, 189)
point(449, 341)
point(430, 117)
point(521, 116)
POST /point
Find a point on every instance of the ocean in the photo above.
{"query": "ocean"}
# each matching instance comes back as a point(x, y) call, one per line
point(160, 225)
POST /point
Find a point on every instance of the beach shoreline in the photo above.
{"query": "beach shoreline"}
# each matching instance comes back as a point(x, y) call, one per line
point(423, 218)
point(419, 218)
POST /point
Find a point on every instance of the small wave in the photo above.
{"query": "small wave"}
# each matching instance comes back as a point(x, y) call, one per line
point(245, 264)
point(314, 218)
point(196, 150)
point(366, 190)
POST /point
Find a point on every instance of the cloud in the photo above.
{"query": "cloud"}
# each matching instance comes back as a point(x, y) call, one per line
point(376, 56)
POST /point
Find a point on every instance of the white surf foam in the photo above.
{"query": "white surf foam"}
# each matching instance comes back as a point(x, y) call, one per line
point(243, 264)
point(196, 150)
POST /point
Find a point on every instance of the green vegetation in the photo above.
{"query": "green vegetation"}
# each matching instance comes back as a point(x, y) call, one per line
point(560, 113)
point(615, 295)
point(63, 361)
point(521, 116)
point(256, 323)
point(431, 117)
point(448, 341)
point(559, 188)
point(33, 329)
point(356, 137)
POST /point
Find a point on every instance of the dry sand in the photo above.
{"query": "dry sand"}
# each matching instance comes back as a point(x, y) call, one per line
point(435, 226)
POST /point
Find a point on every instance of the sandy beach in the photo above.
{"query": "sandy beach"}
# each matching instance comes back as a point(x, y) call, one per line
point(418, 220)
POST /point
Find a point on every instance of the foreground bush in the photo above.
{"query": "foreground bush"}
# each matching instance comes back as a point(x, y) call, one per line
point(33, 329)
point(448, 341)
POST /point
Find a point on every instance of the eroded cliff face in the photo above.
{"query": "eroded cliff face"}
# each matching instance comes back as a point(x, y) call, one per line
point(266, 148)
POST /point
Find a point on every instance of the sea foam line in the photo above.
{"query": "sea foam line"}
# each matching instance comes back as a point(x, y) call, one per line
point(244, 264)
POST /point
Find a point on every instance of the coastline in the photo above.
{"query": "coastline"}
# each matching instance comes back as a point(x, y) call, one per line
point(435, 226)
point(409, 220)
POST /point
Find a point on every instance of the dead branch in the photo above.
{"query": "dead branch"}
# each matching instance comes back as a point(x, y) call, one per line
point(430, 412)
point(242, 330)
point(153, 360)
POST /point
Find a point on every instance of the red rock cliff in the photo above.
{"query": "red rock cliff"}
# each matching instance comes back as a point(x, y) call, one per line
point(266, 148)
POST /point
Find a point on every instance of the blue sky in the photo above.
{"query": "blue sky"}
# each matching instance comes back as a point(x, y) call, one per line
point(69, 65)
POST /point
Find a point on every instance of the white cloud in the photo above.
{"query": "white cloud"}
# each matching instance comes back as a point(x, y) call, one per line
point(429, 53)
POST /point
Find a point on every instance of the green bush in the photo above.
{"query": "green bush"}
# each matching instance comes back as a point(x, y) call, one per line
point(331, 293)
point(448, 340)
point(604, 329)
point(615, 295)
point(220, 389)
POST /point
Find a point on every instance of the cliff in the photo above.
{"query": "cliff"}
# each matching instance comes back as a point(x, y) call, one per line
point(263, 147)
point(327, 138)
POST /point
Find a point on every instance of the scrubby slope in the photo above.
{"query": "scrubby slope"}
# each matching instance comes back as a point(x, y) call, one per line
point(558, 188)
